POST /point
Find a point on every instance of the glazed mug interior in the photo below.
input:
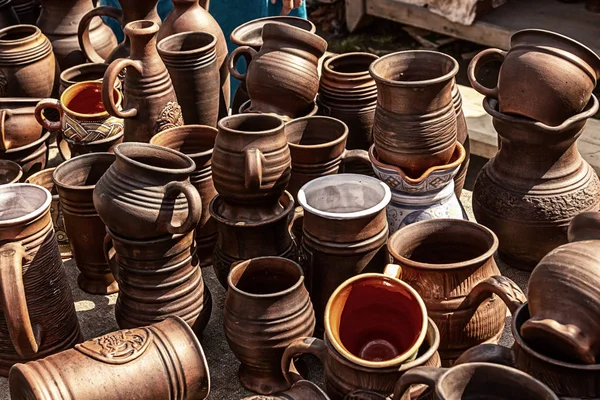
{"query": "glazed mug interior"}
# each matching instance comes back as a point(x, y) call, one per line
point(264, 276)
point(85, 98)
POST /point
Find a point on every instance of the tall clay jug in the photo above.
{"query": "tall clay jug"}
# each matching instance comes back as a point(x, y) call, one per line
point(150, 104)
point(37, 316)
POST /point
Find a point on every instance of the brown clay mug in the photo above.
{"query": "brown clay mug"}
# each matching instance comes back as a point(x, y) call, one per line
point(81, 73)
point(18, 126)
point(10, 172)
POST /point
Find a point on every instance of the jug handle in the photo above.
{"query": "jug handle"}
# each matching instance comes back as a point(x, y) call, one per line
point(46, 123)
point(490, 353)
point(109, 255)
point(303, 345)
point(108, 84)
point(417, 376)
point(12, 299)
point(504, 287)
point(483, 58)
point(4, 114)
point(83, 32)
point(359, 155)
point(194, 206)
point(233, 59)
point(254, 169)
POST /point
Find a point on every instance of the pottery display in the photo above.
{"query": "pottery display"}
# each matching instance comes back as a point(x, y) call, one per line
point(300, 390)
point(28, 11)
point(32, 158)
point(149, 100)
point(37, 317)
point(27, 64)
point(562, 73)
point(68, 148)
point(164, 360)
point(75, 181)
point(462, 137)
point(81, 73)
point(434, 252)
point(18, 126)
point(267, 307)
point(584, 226)
point(10, 172)
point(537, 182)
point(191, 60)
point(197, 142)
point(8, 16)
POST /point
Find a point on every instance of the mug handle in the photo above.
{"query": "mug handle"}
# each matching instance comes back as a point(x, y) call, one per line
point(83, 32)
point(417, 376)
point(43, 121)
point(303, 345)
point(4, 114)
point(254, 169)
point(483, 58)
point(110, 77)
point(357, 155)
point(490, 353)
point(504, 287)
point(13, 301)
point(110, 256)
point(393, 271)
point(194, 206)
point(234, 57)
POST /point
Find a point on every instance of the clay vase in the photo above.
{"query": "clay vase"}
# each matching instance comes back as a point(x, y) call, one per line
point(288, 92)
point(267, 307)
point(537, 182)
point(59, 20)
point(347, 92)
point(143, 363)
point(27, 64)
point(32, 158)
point(467, 311)
point(193, 15)
point(75, 181)
point(344, 232)
point(146, 193)
point(18, 126)
point(131, 10)
point(197, 142)
point(462, 137)
point(10, 172)
point(81, 73)
point(8, 16)
point(37, 316)
point(562, 73)
point(28, 11)
point(430, 196)
point(415, 120)
point(68, 148)
point(300, 390)
point(585, 226)
point(44, 179)
point(150, 104)
point(191, 60)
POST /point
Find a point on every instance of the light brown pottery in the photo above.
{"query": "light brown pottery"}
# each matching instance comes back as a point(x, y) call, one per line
point(18, 126)
point(81, 73)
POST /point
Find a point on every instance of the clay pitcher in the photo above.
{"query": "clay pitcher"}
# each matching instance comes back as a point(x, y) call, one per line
point(150, 104)
point(37, 316)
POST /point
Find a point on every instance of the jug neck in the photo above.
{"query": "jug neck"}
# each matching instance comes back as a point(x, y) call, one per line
point(143, 41)
point(191, 3)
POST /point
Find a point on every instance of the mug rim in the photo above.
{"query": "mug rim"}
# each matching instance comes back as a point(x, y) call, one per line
point(45, 207)
point(78, 86)
point(333, 142)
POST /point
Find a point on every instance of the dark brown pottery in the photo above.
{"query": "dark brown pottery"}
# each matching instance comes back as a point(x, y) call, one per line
point(28, 11)
point(197, 142)
point(75, 181)
point(537, 182)
point(37, 316)
point(462, 137)
point(150, 104)
point(309, 112)
point(191, 60)
point(18, 126)
point(415, 120)
point(267, 307)
point(161, 361)
point(561, 75)
point(8, 16)
point(81, 73)
point(68, 148)
point(10, 172)
point(32, 158)
point(301, 390)
point(585, 226)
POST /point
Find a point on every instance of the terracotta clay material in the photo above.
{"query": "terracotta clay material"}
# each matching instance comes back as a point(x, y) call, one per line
point(37, 317)
point(300, 390)
point(435, 252)
point(8, 16)
point(28, 11)
point(142, 363)
point(562, 73)
point(18, 126)
point(585, 226)
point(68, 148)
point(10, 172)
point(32, 158)
point(529, 192)
point(81, 73)
point(462, 137)
point(267, 307)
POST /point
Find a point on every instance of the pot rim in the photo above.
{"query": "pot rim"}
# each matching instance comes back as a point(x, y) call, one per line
point(310, 39)
point(338, 57)
point(14, 166)
point(34, 32)
point(41, 210)
point(187, 129)
point(41, 173)
point(37, 143)
point(334, 142)
point(236, 35)
point(24, 100)
point(170, 171)
point(69, 73)
point(242, 116)
point(175, 53)
point(64, 165)
point(248, 103)
point(140, 27)
point(81, 86)
point(285, 213)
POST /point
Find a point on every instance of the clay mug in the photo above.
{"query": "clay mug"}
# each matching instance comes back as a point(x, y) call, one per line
point(32, 157)
point(18, 126)
point(10, 172)
point(301, 390)
point(82, 73)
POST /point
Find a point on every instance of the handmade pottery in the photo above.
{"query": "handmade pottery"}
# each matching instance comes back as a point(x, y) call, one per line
point(37, 317)
point(300, 390)
point(430, 196)
point(75, 181)
point(68, 148)
point(82, 114)
point(585, 226)
point(27, 64)
point(32, 158)
point(462, 137)
point(267, 307)
point(415, 120)
point(142, 363)
point(149, 104)
point(146, 193)
point(309, 112)
point(81, 73)
point(537, 182)
point(18, 126)
point(191, 60)
point(562, 73)
point(282, 91)
point(467, 312)
point(197, 142)
point(344, 232)
point(28, 11)
point(8, 16)
point(10, 172)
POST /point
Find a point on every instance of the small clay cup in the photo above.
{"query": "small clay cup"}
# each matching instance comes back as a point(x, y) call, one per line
point(81, 73)
point(18, 126)
point(10, 172)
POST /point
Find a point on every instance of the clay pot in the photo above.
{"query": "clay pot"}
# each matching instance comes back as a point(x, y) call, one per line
point(300, 390)
point(267, 307)
point(131, 10)
point(27, 64)
point(75, 181)
point(32, 158)
point(10, 172)
point(68, 148)
point(562, 73)
point(191, 60)
point(344, 232)
point(150, 104)
point(283, 91)
point(18, 126)
point(343, 378)
point(146, 193)
point(537, 182)
point(44, 179)
point(197, 142)
point(584, 226)
point(415, 120)
point(8, 16)
point(81, 73)
point(462, 137)
point(37, 317)
point(435, 252)
point(193, 15)
point(309, 112)
point(137, 363)
point(430, 196)
point(28, 11)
